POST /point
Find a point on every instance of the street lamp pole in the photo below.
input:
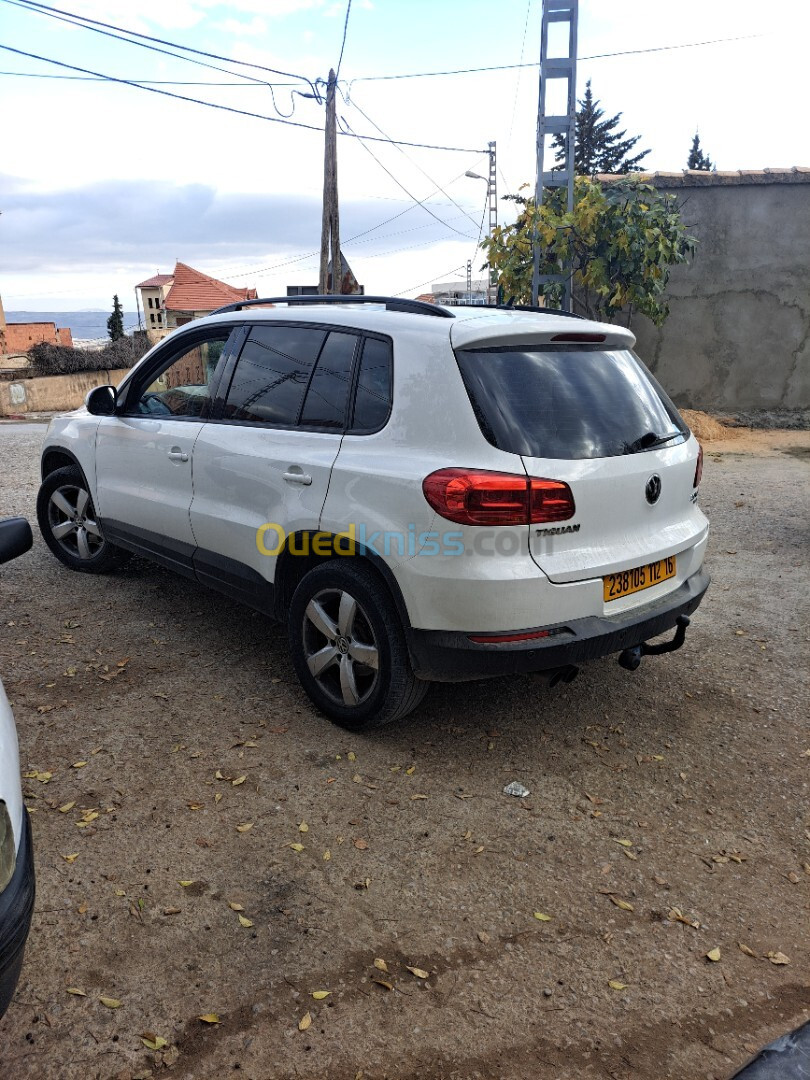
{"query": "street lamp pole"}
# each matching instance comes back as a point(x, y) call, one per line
point(492, 189)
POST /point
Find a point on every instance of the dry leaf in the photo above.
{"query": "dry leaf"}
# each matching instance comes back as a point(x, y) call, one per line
point(218, 797)
point(78, 764)
point(239, 780)
point(245, 826)
point(75, 991)
point(420, 973)
point(304, 1022)
point(777, 958)
point(623, 904)
point(630, 854)
point(296, 847)
point(234, 906)
point(383, 983)
point(327, 855)
point(152, 1041)
point(415, 797)
point(713, 955)
point(319, 995)
point(381, 965)
point(624, 843)
point(542, 916)
point(678, 916)
point(110, 1003)
point(746, 950)
point(351, 755)
point(209, 1018)
point(71, 858)
point(361, 844)
point(172, 911)
point(614, 984)
point(186, 883)
point(483, 937)
point(410, 770)
point(303, 827)
point(245, 922)
point(66, 808)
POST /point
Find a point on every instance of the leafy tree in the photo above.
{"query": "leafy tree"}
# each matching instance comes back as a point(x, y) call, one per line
point(115, 323)
point(697, 159)
point(598, 147)
point(621, 239)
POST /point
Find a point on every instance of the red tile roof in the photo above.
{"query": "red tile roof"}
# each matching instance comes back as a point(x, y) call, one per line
point(155, 282)
point(195, 291)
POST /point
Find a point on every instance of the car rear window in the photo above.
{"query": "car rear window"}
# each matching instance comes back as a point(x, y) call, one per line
point(564, 403)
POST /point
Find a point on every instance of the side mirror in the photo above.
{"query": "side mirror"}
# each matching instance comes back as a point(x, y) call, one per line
point(101, 401)
point(15, 538)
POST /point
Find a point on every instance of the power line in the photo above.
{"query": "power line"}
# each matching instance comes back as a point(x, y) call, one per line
point(422, 284)
point(229, 108)
point(343, 42)
point(149, 82)
point(535, 64)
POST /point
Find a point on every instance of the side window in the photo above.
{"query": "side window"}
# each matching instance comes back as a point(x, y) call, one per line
point(181, 388)
point(325, 404)
point(272, 374)
point(373, 398)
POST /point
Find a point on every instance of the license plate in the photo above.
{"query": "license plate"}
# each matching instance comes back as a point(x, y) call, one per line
point(640, 577)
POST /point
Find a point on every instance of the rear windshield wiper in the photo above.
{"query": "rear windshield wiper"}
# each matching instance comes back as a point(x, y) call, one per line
point(649, 440)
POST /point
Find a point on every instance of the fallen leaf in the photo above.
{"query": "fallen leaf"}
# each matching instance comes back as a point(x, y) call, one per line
point(614, 984)
point(110, 1003)
point(234, 906)
point(327, 855)
point(218, 797)
point(624, 843)
point(186, 883)
point(71, 858)
point(209, 1018)
point(319, 995)
point(303, 827)
point(623, 904)
point(542, 916)
point(383, 983)
point(678, 916)
point(630, 854)
point(361, 844)
point(172, 911)
point(195, 806)
point(713, 955)
point(82, 909)
point(78, 764)
point(304, 1022)
point(296, 847)
point(777, 958)
point(245, 922)
point(245, 826)
point(415, 797)
point(351, 755)
point(746, 950)
point(239, 780)
point(66, 808)
point(381, 965)
point(152, 1041)
point(483, 937)
point(75, 991)
point(410, 770)
point(420, 973)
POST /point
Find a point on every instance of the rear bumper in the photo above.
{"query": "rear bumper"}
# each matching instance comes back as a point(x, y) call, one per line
point(450, 656)
point(16, 909)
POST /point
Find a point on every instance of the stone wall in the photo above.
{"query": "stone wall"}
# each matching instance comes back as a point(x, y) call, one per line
point(738, 336)
point(53, 393)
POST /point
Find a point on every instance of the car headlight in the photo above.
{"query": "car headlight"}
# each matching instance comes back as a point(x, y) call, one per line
point(8, 849)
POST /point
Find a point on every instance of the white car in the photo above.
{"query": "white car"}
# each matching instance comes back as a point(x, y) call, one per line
point(421, 493)
point(16, 854)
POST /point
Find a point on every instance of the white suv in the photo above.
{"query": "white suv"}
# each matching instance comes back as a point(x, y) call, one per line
point(422, 493)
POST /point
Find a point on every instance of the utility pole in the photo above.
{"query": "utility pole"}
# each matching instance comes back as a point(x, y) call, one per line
point(469, 281)
point(330, 223)
point(557, 67)
point(492, 284)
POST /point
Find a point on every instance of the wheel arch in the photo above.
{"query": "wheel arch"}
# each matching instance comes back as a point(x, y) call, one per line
point(56, 457)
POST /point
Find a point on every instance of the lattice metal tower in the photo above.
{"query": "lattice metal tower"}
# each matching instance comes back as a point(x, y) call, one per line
point(556, 67)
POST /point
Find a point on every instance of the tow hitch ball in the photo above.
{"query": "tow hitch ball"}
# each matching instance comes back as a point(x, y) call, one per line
point(631, 658)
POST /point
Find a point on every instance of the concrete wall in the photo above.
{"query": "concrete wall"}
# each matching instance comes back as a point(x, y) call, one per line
point(53, 393)
point(738, 336)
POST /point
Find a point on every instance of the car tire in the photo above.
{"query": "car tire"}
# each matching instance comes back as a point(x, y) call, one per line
point(348, 647)
point(68, 523)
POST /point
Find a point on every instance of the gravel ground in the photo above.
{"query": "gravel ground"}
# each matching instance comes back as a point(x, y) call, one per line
point(171, 721)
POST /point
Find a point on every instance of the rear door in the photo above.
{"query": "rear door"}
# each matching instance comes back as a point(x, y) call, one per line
point(594, 418)
point(143, 453)
point(263, 463)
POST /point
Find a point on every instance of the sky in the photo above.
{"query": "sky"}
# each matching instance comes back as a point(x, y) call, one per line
point(102, 184)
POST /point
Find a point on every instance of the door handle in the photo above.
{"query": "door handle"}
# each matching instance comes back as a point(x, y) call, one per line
point(295, 476)
point(176, 454)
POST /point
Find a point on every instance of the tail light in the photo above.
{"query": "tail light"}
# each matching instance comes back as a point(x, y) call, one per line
point(699, 467)
point(474, 497)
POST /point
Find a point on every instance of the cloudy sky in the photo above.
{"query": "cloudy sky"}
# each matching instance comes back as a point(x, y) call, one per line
point(103, 183)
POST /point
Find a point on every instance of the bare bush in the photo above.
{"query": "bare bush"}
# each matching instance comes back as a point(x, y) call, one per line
point(64, 360)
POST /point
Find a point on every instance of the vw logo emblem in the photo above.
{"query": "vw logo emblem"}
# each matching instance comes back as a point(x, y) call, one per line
point(652, 491)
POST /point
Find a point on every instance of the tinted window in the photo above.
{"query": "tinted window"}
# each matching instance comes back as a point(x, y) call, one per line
point(325, 405)
point(566, 403)
point(181, 388)
point(272, 374)
point(373, 400)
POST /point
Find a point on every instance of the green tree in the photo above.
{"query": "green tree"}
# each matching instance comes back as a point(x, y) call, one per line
point(115, 323)
point(598, 147)
point(621, 239)
point(697, 159)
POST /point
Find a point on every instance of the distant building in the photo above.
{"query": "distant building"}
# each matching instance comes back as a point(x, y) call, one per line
point(19, 337)
point(456, 293)
point(172, 300)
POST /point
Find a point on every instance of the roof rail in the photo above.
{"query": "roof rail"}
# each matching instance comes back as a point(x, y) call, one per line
point(392, 303)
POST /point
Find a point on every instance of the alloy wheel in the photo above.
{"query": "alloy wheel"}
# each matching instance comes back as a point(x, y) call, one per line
point(71, 518)
point(340, 647)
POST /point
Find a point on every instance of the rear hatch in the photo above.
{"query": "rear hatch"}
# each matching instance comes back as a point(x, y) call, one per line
point(587, 412)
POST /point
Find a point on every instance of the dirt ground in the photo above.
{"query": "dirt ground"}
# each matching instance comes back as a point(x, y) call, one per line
point(207, 844)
